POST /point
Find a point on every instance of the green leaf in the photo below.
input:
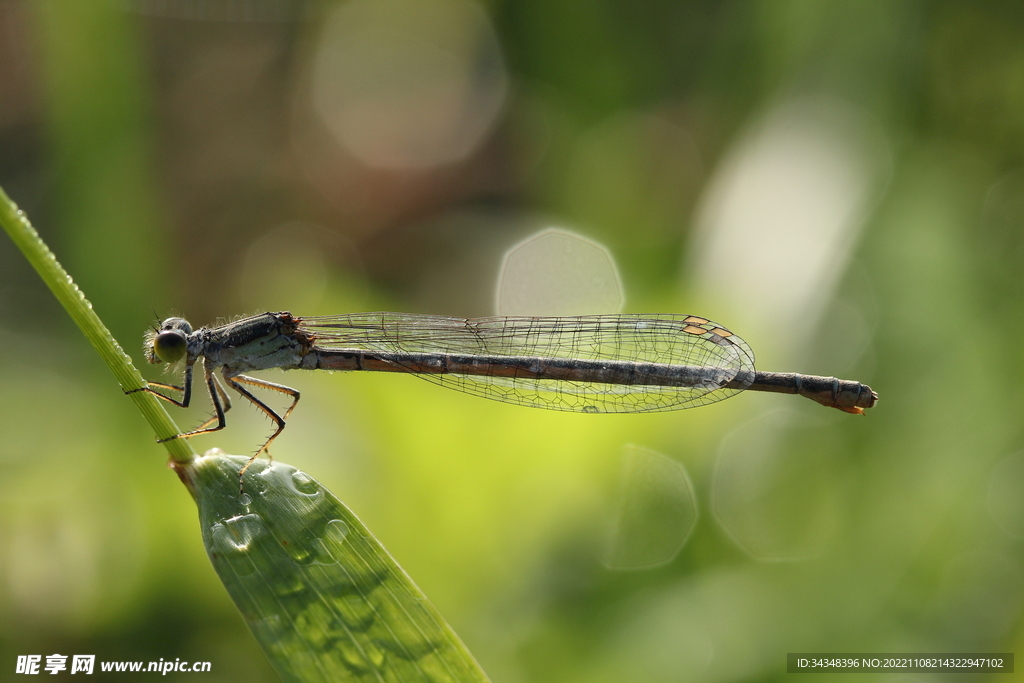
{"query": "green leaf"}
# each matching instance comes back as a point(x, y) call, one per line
point(320, 593)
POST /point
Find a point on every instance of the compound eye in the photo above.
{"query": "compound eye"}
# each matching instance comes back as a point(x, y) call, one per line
point(170, 345)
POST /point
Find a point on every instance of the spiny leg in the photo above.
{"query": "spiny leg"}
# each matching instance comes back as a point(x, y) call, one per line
point(236, 384)
point(225, 400)
point(264, 384)
point(186, 390)
point(212, 388)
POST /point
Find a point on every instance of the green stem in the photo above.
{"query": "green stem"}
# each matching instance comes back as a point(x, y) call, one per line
point(78, 307)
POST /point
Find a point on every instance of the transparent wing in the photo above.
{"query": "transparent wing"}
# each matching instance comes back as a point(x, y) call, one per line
point(725, 361)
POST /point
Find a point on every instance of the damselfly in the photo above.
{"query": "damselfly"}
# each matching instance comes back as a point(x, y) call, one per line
point(588, 364)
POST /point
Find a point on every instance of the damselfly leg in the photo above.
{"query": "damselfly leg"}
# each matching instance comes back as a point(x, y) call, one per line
point(236, 383)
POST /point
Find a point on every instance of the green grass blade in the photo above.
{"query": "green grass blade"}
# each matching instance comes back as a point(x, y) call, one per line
point(321, 595)
point(16, 224)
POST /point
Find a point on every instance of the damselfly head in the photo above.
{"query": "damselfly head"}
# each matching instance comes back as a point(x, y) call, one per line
point(169, 344)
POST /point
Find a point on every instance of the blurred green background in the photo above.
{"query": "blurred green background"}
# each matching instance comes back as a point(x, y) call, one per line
point(842, 184)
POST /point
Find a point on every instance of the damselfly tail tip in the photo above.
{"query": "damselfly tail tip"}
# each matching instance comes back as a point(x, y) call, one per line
point(858, 409)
